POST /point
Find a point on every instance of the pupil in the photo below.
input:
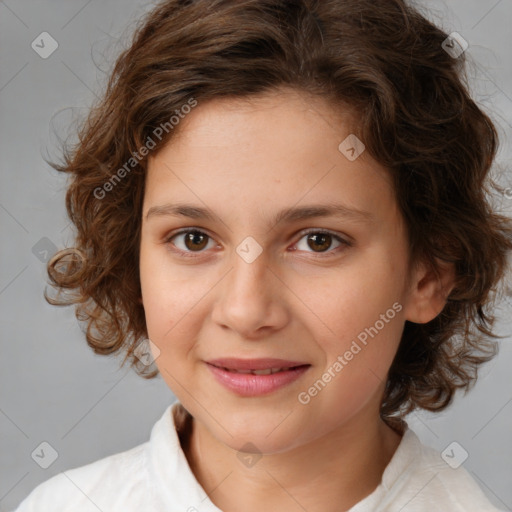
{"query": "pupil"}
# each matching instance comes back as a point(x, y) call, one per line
point(322, 236)
point(193, 238)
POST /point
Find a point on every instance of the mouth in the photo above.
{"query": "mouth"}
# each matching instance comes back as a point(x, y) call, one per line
point(266, 371)
point(251, 377)
point(261, 366)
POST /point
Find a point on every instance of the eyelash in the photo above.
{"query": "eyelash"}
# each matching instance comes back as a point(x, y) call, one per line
point(327, 254)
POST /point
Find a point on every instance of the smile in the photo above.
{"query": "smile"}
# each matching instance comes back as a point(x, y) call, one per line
point(256, 381)
point(268, 371)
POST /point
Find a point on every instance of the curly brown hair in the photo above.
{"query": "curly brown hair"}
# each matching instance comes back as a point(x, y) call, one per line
point(415, 115)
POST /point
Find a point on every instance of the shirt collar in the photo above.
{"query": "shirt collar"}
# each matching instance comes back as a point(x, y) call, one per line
point(180, 487)
point(170, 467)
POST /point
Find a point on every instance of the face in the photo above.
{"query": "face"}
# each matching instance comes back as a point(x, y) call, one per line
point(326, 293)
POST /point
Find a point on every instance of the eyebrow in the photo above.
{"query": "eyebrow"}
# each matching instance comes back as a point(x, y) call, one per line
point(292, 214)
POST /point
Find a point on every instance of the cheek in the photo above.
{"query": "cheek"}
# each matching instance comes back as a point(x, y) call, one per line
point(173, 301)
point(361, 320)
point(354, 301)
point(358, 353)
point(169, 312)
point(164, 298)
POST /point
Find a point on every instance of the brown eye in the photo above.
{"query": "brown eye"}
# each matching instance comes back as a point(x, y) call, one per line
point(189, 241)
point(195, 240)
point(320, 241)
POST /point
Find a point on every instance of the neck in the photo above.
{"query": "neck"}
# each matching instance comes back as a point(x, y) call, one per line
point(331, 473)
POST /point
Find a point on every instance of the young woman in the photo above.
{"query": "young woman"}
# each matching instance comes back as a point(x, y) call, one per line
point(289, 200)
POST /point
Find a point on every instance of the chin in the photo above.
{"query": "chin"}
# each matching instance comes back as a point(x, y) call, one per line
point(256, 433)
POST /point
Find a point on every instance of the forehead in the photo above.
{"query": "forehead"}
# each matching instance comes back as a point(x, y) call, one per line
point(280, 149)
point(274, 111)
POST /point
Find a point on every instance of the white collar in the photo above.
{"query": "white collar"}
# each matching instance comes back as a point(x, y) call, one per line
point(176, 481)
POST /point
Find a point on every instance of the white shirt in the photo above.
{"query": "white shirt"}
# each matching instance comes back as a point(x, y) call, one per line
point(155, 477)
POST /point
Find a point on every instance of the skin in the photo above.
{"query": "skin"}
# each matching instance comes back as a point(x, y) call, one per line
point(246, 161)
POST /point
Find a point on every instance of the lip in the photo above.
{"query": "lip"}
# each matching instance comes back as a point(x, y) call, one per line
point(247, 384)
point(233, 363)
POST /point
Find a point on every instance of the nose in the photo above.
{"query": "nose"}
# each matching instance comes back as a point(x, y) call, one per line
point(251, 299)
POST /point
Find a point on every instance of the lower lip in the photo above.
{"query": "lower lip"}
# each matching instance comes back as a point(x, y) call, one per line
point(247, 384)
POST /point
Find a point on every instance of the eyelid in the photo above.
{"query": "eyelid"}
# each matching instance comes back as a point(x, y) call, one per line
point(345, 241)
point(342, 238)
point(181, 231)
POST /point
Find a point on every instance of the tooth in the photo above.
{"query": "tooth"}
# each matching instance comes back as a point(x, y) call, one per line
point(268, 371)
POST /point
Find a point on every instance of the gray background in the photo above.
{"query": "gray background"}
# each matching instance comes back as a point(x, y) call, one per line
point(52, 387)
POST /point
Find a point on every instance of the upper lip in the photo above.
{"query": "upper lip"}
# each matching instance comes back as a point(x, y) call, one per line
point(232, 363)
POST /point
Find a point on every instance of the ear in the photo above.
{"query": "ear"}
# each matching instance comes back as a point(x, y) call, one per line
point(429, 291)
